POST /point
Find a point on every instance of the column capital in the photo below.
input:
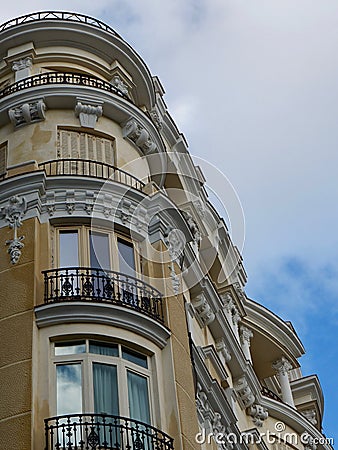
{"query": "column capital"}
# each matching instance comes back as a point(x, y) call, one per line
point(282, 366)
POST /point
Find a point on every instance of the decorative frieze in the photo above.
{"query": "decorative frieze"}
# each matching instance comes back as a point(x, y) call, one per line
point(139, 135)
point(26, 113)
point(258, 414)
point(244, 393)
point(13, 213)
point(88, 112)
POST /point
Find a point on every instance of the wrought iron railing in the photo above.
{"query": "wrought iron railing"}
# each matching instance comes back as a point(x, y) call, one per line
point(90, 168)
point(104, 286)
point(57, 15)
point(56, 78)
point(103, 432)
point(269, 393)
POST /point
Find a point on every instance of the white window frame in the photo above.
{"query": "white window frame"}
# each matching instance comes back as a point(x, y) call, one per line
point(87, 359)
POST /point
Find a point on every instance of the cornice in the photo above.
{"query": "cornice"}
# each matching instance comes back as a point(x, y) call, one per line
point(274, 328)
point(295, 420)
point(102, 314)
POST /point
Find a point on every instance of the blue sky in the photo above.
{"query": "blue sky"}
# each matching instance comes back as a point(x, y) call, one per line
point(254, 87)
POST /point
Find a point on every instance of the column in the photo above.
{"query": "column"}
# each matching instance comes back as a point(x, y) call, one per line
point(282, 366)
point(246, 336)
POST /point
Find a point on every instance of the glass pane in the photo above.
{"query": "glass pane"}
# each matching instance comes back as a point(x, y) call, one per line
point(102, 348)
point(68, 389)
point(70, 348)
point(134, 357)
point(99, 251)
point(138, 397)
point(126, 257)
point(69, 249)
point(105, 389)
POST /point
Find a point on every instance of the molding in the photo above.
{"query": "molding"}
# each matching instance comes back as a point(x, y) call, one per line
point(210, 353)
point(103, 314)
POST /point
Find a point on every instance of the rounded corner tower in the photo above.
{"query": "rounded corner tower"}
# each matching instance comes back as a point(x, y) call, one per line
point(117, 330)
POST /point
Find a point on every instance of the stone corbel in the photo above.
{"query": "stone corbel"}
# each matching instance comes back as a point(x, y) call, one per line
point(310, 415)
point(308, 441)
point(88, 111)
point(204, 313)
point(244, 393)
point(223, 350)
point(26, 113)
point(139, 135)
point(13, 214)
point(119, 84)
point(22, 68)
point(258, 414)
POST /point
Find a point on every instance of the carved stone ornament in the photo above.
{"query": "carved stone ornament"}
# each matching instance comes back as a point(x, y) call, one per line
point(22, 64)
point(88, 114)
point(244, 392)
point(211, 420)
point(139, 135)
point(308, 441)
point(223, 350)
point(26, 113)
point(13, 214)
point(193, 227)
point(282, 366)
point(175, 279)
point(246, 335)
point(258, 414)
point(117, 82)
point(310, 415)
point(155, 116)
point(203, 310)
point(175, 241)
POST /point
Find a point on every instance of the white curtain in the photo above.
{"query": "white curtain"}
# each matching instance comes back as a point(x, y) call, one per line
point(138, 397)
point(105, 389)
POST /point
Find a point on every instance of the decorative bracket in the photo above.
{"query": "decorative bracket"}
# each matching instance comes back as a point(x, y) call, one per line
point(26, 113)
point(13, 214)
point(88, 112)
point(139, 135)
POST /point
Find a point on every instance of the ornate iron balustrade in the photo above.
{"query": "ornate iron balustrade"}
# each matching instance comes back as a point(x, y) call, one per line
point(90, 168)
point(58, 15)
point(105, 286)
point(268, 393)
point(52, 78)
point(103, 432)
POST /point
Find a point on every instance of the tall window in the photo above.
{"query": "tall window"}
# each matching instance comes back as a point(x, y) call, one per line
point(80, 145)
point(3, 158)
point(80, 246)
point(101, 377)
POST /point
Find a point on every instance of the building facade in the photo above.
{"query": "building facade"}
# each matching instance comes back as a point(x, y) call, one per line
point(124, 319)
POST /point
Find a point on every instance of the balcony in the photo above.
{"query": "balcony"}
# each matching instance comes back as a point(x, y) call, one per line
point(82, 284)
point(90, 168)
point(270, 394)
point(103, 432)
point(62, 78)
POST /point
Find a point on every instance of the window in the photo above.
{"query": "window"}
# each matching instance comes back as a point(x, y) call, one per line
point(3, 158)
point(78, 145)
point(81, 246)
point(103, 378)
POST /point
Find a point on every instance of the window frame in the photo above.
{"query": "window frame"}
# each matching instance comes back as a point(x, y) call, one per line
point(84, 246)
point(86, 361)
